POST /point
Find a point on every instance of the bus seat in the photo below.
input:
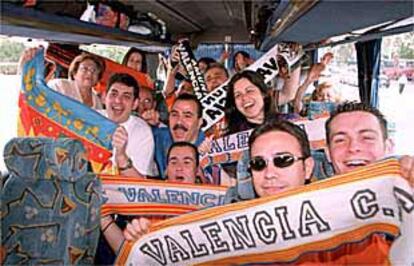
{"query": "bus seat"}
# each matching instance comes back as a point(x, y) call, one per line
point(323, 168)
point(315, 109)
point(50, 212)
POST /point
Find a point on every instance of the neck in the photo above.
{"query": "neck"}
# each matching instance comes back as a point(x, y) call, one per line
point(256, 120)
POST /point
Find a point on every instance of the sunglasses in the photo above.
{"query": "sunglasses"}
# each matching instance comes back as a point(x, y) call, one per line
point(283, 160)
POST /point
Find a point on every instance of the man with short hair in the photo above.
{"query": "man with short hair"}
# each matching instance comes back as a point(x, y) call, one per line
point(357, 136)
point(185, 120)
point(216, 74)
point(280, 160)
point(182, 167)
point(182, 163)
point(132, 141)
point(147, 108)
point(146, 100)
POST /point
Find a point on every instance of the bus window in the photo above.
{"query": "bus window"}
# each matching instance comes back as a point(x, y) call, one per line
point(342, 72)
point(398, 50)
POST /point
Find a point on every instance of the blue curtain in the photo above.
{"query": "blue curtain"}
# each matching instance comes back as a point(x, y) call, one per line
point(369, 60)
point(215, 50)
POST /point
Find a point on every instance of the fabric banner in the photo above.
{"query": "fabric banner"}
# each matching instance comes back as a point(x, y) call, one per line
point(189, 62)
point(45, 112)
point(133, 196)
point(230, 148)
point(64, 57)
point(267, 66)
point(283, 227)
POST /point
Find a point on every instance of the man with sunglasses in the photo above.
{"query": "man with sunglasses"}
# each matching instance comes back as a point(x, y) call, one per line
point(280, 158)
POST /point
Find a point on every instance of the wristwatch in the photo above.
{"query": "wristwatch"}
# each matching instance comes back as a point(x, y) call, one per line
point(127, 166)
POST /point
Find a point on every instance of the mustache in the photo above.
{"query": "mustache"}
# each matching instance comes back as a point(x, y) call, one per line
point(179, 126)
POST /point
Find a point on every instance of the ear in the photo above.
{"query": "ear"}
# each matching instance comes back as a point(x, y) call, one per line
point(309, 164)
point(389, 146)
point(200, 122)
point(135, 104)
point(328, 154)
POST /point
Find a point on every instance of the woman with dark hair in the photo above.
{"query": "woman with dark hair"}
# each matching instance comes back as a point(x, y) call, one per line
point(204, 62)
point(248, 101)
point(135, 59)
point(241, 60)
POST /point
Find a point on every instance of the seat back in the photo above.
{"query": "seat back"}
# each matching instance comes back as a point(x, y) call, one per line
point(50, 211)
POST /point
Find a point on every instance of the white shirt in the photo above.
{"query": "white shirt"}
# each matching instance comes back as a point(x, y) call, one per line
point(140, 146)
point(68, 88)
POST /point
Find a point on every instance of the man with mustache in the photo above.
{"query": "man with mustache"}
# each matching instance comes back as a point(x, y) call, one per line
point(185, 119)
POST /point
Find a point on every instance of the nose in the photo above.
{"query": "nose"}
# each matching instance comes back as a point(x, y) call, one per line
point(354, 146)
point(243, 97)
point(179, 167)
point(117, 99)
point(270, 172)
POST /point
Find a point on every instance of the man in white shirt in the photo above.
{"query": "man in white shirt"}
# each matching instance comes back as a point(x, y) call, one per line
point(132, 141)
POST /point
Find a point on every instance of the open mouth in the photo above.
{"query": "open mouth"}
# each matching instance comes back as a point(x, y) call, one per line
point(180, 133)
point(117, 110)
point(179, 178)
point(248, 105)
point(356, 163)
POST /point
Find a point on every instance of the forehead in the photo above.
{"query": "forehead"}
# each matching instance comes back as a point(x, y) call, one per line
point(274, 142)
point(145, 93)
point(216, 71)
point(182, 152)
point(184, 105)
point(121, 88)
point(87, 62)
point(352, 122)
point(135, 56)
point(240, 56)
point(243, 83)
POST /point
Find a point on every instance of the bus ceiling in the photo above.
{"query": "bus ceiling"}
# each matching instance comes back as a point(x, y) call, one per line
point(264, 23)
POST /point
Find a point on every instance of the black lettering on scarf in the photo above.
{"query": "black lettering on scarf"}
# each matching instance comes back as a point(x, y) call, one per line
point(309, 217)
point(364, 204)
point(239, 232)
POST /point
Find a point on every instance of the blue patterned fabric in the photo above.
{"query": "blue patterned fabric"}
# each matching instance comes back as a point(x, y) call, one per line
point(50, 211)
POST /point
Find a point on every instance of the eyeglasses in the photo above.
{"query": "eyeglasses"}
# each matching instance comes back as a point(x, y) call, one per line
point(283, 160)
point(85, 69)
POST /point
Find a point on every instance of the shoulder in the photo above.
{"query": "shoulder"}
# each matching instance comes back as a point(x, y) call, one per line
point(137, 123)
point(60, 82)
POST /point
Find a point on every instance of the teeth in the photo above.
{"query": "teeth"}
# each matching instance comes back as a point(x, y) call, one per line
point(247, 105)
point(356, 162)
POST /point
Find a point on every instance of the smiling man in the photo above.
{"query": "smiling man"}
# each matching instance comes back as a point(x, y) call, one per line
point(132, 141)
point(182, 163)
point(185, 120)
point(357, 136)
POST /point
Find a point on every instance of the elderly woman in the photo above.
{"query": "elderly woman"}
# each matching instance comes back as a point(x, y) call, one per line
point(84, 73)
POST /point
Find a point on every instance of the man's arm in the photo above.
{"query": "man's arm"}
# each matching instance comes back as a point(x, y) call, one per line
point(123, 162)
point(407, 168)
point(290, 87)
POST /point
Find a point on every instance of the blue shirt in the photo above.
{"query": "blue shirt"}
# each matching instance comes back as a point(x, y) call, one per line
point(163, 140)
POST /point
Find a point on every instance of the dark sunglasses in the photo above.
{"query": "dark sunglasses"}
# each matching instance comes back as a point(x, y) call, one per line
point(283, 160)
